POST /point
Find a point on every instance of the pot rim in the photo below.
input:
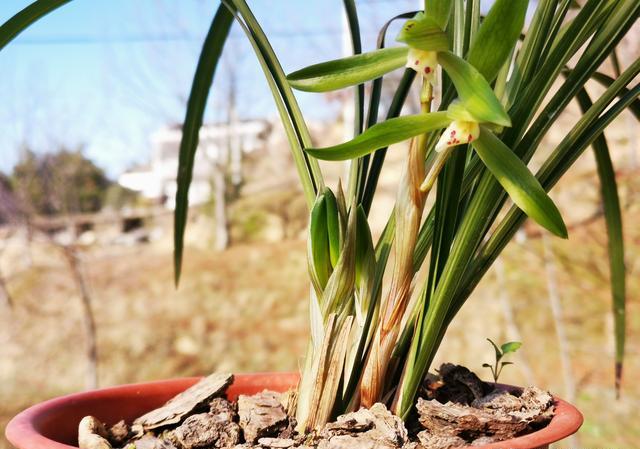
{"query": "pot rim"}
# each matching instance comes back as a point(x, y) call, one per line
point(22, 431)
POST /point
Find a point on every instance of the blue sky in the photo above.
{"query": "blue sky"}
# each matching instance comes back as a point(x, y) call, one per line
point(107, 73)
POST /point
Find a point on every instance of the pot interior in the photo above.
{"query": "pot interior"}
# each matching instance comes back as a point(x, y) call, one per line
point(58, 419)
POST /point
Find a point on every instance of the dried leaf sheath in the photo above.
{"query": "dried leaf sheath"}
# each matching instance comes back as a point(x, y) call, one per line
point(409, 207)
point(332, 316)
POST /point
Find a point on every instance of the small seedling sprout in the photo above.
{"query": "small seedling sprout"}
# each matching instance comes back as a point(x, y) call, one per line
point(503, 350)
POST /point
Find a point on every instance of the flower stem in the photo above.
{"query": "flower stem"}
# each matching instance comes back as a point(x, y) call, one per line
point(435, 169)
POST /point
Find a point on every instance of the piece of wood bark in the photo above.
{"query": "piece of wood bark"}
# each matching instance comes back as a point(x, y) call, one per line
point(440, 441)
point(374, 428)
point(150, 441)
point(495, 417)
point(261, 415)
point(206, 430)
point(457, 384)
point(189, 402)
point(413, 445)
point(118, 434)
point(455, 420)
point(354, 442)
point(277, 443)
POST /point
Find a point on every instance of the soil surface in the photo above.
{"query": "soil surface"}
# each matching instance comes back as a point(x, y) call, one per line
point(455, 409)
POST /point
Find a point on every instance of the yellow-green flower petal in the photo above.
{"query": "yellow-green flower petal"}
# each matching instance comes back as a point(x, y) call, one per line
point(458, 133)
point(423, 62)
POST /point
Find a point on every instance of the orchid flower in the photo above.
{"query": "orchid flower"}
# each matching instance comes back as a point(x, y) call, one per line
point(459, 132)
point(423, 62)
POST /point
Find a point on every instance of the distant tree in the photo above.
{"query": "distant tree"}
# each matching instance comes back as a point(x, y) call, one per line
point(9, 207)
point(9, 214)
point(61, 182)
point(117, 197)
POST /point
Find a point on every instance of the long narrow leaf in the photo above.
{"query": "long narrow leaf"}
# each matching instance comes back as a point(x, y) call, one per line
point(382, 135)
point(613, 220)
point(609, 30)
point(529, 56)
point(288, 108)
point(207, 63)
point(583, 135)
point(523, 188)
point(607, 81)
point(357, 170)
point(485, 203)
point(475, 93)
point(319, 259)
point(21, 21)
point(374, 106)
point(399, 98)
point(354, 30)
point(439, 11)
point(497, 36)
point(339, 73)
point(590, 125)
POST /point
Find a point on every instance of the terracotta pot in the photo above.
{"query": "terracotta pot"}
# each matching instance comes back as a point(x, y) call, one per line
point(54, 424)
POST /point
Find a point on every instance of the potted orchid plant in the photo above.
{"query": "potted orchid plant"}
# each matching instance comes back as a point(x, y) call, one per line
point(490, 89)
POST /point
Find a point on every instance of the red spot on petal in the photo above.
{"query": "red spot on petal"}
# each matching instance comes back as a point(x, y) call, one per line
point(470, 137)
point(417, 62)
point(453, 133)
point(427, 70)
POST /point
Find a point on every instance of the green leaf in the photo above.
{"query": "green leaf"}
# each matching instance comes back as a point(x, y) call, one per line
point(496, 37)
point(457, 111)
point(372, 118)
point(475, 93)
point(339, 73)
point(365, 252)
point(439, 11)
point(23, 19)
point(333, 226)
point(511, 346)
point(356, 42)
point(463, 271)
point(383, 134)
point(423, 33)
point(613, 220)
point(607, 81)
point(318, 253)
point(582, 135)
point(523, 188)
point(496, 348)
point(340, 285)
point(207, 63)
point(377, 161)
point(290, 114)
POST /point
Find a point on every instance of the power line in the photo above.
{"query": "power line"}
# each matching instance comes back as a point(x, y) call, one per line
point(93, 40)
point(125, 39)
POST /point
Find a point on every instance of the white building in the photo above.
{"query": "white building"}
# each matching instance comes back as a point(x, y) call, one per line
point(219, 144)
